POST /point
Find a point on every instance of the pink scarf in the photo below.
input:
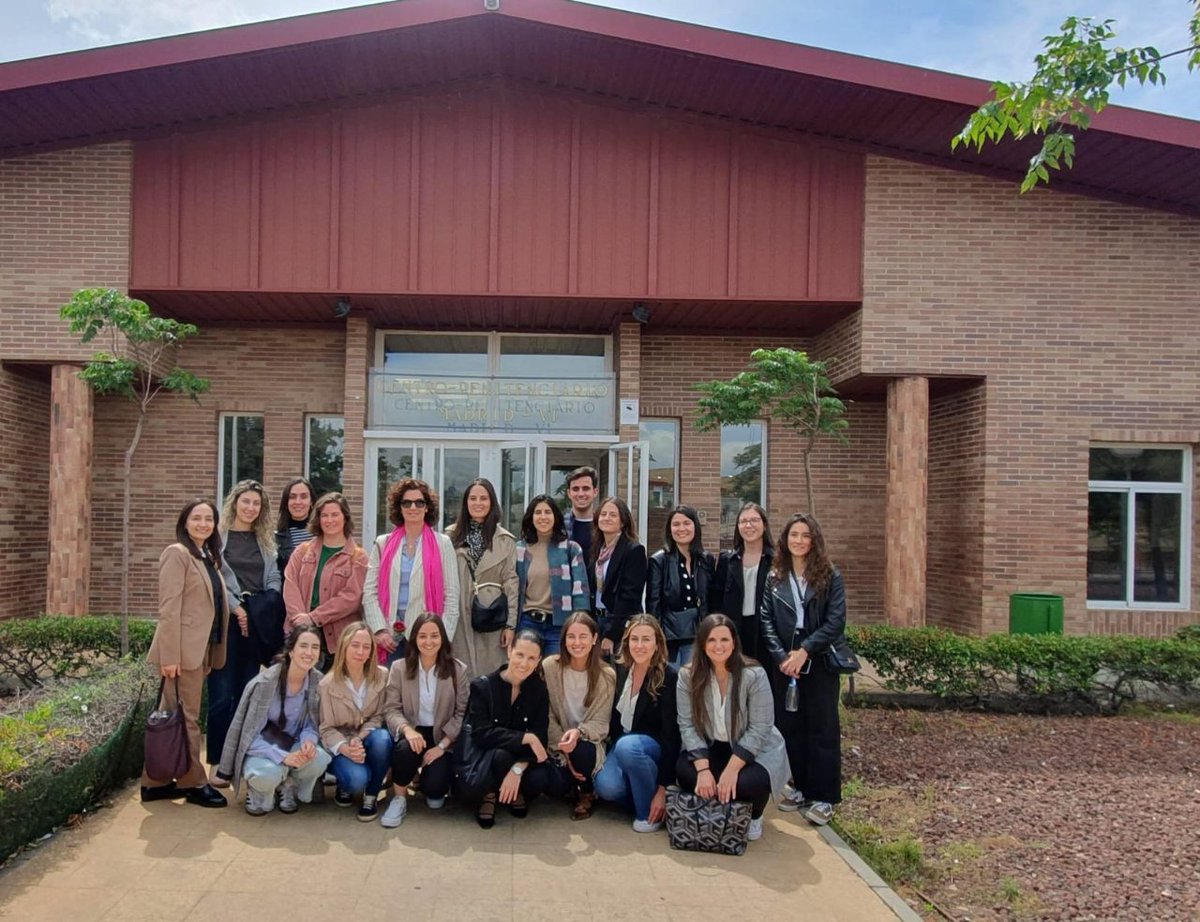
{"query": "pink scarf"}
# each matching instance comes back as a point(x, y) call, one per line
point(431, 559)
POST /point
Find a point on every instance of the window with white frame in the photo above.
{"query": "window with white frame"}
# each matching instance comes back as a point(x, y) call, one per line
point(743, 453)
point(1139, 535)
point(323, 442)
point(240, 450)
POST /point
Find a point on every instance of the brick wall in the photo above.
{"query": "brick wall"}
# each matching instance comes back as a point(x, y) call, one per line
point(24, 491)
point(1081, 314)
point(849, 481)
point(65, 226)
point(283, 374)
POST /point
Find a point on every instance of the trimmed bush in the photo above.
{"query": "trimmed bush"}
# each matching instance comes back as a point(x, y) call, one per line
point(1036, 672)
point(58, 646)
point(70, 747)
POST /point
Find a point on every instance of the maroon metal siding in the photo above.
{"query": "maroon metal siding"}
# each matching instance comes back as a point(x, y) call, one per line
point(495, 189)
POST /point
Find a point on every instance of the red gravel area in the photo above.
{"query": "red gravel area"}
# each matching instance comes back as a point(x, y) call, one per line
point(1080, 818)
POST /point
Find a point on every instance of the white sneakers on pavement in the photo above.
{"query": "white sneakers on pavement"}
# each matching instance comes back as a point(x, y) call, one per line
point(394, 814)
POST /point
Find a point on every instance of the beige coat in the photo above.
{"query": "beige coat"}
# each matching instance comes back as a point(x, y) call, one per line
point(594, 727)
point(379, 620)
point(482, 652)
point(340, 716)
point(185, 614)
point(403, 702)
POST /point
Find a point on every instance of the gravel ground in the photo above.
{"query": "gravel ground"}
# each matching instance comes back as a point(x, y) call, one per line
point(1019, 817)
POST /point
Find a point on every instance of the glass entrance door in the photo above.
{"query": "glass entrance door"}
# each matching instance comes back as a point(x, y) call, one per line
point(629, 478)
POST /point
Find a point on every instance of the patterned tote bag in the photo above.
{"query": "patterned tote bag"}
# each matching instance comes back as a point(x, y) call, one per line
point(697, 824)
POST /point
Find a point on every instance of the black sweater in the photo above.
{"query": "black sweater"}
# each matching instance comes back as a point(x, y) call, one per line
point(498, 722)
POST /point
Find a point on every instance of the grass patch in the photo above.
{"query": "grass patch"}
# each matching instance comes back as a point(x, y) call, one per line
point(899, 860)
point(1152, 712)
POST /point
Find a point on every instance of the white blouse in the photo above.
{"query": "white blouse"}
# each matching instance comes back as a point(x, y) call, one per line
point(718, 710)
point(750, 585)
point(428, 683)
point(626, 704)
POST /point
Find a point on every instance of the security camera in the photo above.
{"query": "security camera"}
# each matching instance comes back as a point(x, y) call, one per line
point(491, 5)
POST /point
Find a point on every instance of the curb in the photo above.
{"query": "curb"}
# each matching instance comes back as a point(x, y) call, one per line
point(889, 896)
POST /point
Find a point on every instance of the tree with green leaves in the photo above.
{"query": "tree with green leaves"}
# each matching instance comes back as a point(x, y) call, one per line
point(1072, 82)
point(140, 364)
point(783, 384)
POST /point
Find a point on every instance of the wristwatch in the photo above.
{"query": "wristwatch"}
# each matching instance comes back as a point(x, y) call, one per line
point(442, 745)
point(518, 770)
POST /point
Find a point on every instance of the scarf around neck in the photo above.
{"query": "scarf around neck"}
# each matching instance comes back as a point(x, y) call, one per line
point(431, 568)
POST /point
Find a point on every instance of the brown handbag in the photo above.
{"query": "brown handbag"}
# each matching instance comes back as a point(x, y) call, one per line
point(167, 756)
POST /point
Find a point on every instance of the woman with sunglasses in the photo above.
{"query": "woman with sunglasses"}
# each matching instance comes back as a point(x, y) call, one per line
point(412, 569)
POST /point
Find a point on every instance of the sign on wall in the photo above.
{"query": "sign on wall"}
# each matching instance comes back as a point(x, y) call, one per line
point(486, 404)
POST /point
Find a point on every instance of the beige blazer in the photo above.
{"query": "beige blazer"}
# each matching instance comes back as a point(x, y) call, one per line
point(594, 727)
point(341, 718)
point(185, 614)
point(403, 702)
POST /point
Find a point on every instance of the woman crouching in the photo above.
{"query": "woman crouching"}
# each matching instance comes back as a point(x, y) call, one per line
point(272, 741)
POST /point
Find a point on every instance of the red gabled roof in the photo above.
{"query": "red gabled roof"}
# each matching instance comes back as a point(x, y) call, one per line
point(344, 56)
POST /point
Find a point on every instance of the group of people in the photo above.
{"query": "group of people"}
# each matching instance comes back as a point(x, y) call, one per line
point(497, 667)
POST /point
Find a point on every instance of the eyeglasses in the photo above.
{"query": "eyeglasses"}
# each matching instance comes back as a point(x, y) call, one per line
point(412, 504)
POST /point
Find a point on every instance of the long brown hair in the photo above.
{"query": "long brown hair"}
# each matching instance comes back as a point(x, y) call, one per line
point(263, 532)
point(627, 526)
point(491, 521)
point(596, 667)
point(818, 571)
point(284, 656)
point(702, 675)
point(656, 672)
point(444, 664)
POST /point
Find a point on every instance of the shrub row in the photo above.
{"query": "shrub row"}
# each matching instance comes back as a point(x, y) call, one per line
point(58, 646)
point(1037, 672)
point(70, 747)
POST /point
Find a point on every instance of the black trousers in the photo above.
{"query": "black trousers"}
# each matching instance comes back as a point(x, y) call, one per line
point(813, 734)
point(583, 759)
point(539, 777)
point(753, 783)
point(435, 777)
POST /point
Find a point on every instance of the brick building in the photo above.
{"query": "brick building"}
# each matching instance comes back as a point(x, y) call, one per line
point(427, 237)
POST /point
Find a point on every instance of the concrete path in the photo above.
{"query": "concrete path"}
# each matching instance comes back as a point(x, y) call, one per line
point(169, 860)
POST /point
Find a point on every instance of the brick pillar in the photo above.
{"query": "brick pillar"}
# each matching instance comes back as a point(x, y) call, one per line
point(629, 373)
point(70, 520)
point(359, 353)
point(904, 528)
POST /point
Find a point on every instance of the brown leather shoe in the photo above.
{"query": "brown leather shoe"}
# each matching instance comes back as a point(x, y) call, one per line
point(584, 805)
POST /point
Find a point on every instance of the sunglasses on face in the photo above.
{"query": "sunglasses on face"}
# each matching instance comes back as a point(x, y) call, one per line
point(412, 504)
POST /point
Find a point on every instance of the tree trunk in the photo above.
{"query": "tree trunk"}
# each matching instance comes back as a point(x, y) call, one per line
point(127, 474)
point(806, 453)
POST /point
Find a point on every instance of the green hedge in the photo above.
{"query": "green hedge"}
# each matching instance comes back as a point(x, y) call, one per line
point(70, 748)
point(58, 646)
point(1031, 672)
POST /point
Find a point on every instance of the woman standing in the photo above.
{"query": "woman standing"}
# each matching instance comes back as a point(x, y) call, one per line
point(425, 705)
point(249, 567)
point(618, 571)
point(742, 575)
point(291, 526)
point(189, 639)
point(412, 570)
point(732, 750)
point(352, 699)
point(272, 741)
point(551, 575)
point(487, 569)
point(323, 583)
point(803, 615)
point(644, 728)
point(581, 687)
point(504, 759)
point(680, 577)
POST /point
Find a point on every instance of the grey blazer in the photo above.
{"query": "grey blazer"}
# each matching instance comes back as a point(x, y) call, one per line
point(271, 577)
point(251, 717)
point(756, 741)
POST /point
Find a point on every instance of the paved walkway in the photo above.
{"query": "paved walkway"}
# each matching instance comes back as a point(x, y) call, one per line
point(168, 860)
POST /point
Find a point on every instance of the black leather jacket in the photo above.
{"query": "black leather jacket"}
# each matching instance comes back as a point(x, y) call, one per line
point(728, 593)
point(783, 632)
point(664, 589)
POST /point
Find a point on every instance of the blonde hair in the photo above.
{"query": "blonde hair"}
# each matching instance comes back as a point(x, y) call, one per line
point(264, 530)
point(372, 675)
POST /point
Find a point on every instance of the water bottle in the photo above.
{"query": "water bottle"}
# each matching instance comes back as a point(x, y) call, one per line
point(791, 701)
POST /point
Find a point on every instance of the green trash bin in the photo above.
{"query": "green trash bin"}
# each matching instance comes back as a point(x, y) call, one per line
point(1035, 613)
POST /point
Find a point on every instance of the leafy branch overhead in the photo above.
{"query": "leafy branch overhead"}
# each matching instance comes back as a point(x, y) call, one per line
point(781, 384)
point(1072, 82)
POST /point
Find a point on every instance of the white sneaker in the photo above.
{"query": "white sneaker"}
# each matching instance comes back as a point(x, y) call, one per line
point(393, 816)
point(435, 803)
point(646, 826)
point(287, 797)
point(754, 833)
point(260, 803)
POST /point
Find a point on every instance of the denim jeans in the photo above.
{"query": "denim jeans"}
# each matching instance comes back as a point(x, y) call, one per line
point(225, 687)
point(366, 777)
point(680, 652)
point(265, 776)
point(551, 633)
point(629, 775)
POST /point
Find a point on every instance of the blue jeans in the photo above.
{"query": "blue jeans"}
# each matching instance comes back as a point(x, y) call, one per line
point(629, 775)
point(680, 652)
point(353, 778)
point(551, 633)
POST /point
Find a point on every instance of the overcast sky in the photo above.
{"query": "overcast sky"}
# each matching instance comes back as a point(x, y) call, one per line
point(979, 38)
